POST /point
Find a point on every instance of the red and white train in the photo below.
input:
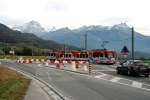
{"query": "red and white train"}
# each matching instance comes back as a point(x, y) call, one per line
point(99, 56)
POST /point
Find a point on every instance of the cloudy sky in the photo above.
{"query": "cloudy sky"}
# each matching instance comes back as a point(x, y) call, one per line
point(75, 13)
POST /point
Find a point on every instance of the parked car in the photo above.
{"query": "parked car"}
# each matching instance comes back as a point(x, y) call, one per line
point(136, 67)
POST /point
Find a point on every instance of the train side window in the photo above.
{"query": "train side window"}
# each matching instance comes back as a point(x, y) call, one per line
point(70, 55)
point(78, 55)
point(81, 55)
point(66, 55)
point(96, 55)
point(86, 56)
point(106, 54)
point(61, 55)
point(101, 54)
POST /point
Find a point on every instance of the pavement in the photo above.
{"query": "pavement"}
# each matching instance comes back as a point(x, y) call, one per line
point(35, 92)
point(38, 89)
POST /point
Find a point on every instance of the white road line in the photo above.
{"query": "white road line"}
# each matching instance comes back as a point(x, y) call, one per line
point(49, 78)
point(137, 84)
point(116, 79)
point(99, 76)
point(107, 70)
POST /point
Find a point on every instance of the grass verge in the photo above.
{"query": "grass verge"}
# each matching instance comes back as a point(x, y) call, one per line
point(13, 86)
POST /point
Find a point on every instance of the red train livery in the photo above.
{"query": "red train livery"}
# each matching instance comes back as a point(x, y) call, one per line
point(99, 56)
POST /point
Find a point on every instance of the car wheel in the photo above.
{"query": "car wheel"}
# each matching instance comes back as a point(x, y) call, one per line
point(146, 75)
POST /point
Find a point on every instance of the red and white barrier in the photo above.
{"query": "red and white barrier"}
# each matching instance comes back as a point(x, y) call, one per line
point(85, 66)
point(64, 62)
point(58, 65)
point(69, 61)
point(74, 66)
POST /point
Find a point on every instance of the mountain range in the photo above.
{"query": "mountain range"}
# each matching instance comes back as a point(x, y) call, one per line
point(98, 37)
point(12, 39)
point(33, 27)
point(111, 37)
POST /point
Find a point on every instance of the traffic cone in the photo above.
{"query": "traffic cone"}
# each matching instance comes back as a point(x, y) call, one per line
point(61, 61)
point(77, 64)
point(42, 60)
point(74, 66)
point(69, 61)
point(30, 61)
point(24, 61)
point(64, 62)
point(46, 63)
point(58, 66)
point(37, 61)
point(27, 61)
point(17, 61)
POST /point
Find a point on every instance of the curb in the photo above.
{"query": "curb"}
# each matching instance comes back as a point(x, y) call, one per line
point(45, 86)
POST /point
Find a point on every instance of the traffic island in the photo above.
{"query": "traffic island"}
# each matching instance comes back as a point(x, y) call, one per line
point(13, 86)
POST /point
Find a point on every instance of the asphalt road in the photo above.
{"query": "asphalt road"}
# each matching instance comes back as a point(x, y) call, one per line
point(111, 70)
point(81, 87)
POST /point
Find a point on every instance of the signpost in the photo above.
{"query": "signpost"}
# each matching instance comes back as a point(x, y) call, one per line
point(125, 52)
point(90, 61)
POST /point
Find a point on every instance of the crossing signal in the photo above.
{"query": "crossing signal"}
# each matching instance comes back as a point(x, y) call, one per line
point(125, 50)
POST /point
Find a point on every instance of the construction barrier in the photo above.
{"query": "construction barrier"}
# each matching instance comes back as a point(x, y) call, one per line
point(57, 64)
point(77, 64)
point(85, 66)
point(74, 66)
point(69, 61)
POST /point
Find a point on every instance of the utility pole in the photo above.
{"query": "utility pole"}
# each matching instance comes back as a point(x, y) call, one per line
point(85, 41)
point(132, 43)
point(32, 50)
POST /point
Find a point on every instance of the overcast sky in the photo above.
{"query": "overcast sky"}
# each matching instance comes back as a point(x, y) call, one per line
point(75, 13)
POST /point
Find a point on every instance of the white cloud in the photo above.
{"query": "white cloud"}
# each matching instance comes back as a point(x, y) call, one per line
point(75, 13)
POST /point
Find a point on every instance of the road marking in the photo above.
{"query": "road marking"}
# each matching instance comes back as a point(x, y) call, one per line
point(49, 78)
point(100, 76)
point(107, 70)
point(101, 70)
point(137, 84)
point(116, 79)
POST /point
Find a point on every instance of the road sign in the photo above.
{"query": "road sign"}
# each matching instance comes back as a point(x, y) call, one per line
point(125, 50)
point(90, 60)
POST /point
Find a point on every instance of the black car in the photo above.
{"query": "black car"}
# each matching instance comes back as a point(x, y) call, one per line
point(136, 67)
